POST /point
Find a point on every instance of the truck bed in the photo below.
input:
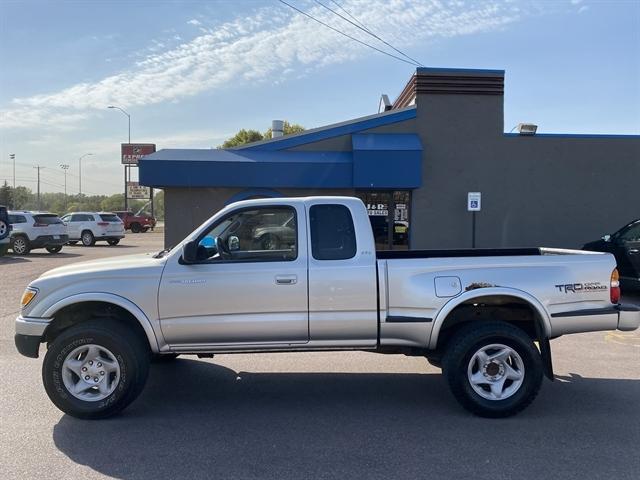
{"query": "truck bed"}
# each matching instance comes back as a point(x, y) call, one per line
point(475, 252)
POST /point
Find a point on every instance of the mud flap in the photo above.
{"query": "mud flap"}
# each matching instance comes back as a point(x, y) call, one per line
point(545, 352)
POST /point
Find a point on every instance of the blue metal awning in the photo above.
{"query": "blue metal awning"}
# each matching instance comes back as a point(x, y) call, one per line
point(377, 161)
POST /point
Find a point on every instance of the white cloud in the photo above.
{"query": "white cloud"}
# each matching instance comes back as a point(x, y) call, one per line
point(583, 9)
point(266, 46)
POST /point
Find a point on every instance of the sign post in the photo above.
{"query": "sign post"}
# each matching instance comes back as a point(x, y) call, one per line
point(474, 204)
point(131, 153)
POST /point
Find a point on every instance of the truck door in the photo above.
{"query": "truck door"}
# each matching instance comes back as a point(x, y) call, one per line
point(249, 285)
point(343, 308)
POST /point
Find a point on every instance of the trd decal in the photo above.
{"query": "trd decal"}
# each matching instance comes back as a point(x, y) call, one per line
point(581, 287)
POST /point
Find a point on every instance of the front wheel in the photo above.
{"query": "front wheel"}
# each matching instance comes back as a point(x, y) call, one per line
point(136, 228)
point(54, 249)
point(88, 240)
point(95, 369)
point(493, 369)
point(20, 245)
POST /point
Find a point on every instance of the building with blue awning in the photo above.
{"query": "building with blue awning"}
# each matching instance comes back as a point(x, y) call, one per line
point(413, 164)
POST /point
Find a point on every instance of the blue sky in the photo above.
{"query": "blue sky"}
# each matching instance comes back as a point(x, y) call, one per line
point(192, 73)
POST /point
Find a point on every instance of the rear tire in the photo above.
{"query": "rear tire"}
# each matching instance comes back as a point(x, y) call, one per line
point(493, 369)
point(126, 363)
point(87, 238)
point(113, 241)
point(54, 249)
point(20, 245)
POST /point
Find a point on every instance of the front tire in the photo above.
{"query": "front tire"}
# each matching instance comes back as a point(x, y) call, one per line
point(87, 238)
point(493, 369)
point(95, 369)
point(20, 245)
point(136, 228)
point(54, 249)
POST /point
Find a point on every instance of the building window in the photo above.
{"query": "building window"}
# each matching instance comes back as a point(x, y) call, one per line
point(389, 208)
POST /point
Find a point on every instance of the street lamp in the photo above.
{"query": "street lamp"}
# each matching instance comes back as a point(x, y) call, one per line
point(64, 168)
point(127, 178)
point(80, 175)
point(128, 118)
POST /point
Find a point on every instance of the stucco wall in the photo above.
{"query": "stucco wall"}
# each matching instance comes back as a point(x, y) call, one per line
point(536, 191)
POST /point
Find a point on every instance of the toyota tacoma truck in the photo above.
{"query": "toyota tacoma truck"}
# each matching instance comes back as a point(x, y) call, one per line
point(486, 317)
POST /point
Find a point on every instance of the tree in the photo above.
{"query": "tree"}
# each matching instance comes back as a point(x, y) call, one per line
point(248, 136)
point(6, 195)
point(242, 137)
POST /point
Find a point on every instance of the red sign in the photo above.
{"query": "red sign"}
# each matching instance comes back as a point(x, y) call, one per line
point(132, 152)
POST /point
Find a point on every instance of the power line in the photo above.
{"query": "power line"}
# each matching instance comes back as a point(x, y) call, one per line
point(345, 34)
point(364, 28)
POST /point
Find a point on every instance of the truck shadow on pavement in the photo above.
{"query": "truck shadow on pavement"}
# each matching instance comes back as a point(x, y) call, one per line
point(197, 420)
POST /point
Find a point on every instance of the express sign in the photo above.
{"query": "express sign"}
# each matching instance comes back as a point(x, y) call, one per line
point(132, 152)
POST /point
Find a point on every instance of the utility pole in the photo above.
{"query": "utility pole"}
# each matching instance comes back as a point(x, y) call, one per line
point(65, 167)
point(12, 156)
point(127, 168)
point(38, 168)
point(80, 176)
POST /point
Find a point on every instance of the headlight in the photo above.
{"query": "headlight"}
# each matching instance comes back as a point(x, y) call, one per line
point(27, 296)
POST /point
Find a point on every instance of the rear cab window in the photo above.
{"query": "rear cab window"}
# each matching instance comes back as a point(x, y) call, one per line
point(333, 235)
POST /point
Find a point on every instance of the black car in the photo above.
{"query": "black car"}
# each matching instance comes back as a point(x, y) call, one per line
point(625, 246)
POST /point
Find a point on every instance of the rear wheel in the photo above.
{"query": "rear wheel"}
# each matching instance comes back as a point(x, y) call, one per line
point(113, 241)
point(54, 249)
point(95, 369)
point(87, 238)
point(269, 242)
point(493, 369)
point(4, 229)
point(20, 245)
point(136, 228)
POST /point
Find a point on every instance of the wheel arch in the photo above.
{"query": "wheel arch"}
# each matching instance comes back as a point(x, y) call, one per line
point(490, 296)
point(92, 301)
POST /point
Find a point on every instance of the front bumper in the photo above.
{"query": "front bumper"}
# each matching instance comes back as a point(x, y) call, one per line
point(628, 317)
point(29, 333)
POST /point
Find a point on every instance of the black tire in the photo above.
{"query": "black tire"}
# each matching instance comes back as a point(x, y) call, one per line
point(269, 242)
point(73, 242)
point(136, 228)
point(4, 230)
point(87, 238)
point(4, 248)
point(129, 349)
point(164, 358)
point(54, 249)
point(113, 241)
point(472, 338)
point(20, 245)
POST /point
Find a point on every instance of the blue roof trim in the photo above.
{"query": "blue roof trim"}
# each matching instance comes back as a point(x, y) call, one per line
point(573, 135)
point(336, 130)
point(386, 141)
point(459, 70)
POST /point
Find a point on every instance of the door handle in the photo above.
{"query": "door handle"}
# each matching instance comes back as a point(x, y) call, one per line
point(286, 279)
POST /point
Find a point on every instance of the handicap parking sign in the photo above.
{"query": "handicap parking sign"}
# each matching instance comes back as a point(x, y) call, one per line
point(473, 201)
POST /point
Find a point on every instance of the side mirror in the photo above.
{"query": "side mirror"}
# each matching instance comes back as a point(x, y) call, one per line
point(606, 238)
point(190, 252)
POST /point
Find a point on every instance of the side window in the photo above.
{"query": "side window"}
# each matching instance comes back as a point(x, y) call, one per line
point(632, 234)
point(332, 234)
point(254, 235)
point(88, 218)
point(17, 219)
point(12, 219)
point(66, 218)
point(75, 218)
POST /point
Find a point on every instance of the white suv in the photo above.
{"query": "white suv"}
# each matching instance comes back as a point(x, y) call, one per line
point(90, 227)
point(36, 230)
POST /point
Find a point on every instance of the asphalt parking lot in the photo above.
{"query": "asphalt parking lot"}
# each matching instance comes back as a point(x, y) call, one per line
point(317, 415)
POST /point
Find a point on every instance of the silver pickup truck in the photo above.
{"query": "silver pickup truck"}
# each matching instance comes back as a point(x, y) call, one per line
point(302, 274)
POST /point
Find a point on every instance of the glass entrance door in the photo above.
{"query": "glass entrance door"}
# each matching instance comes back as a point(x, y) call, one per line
point(389, 208)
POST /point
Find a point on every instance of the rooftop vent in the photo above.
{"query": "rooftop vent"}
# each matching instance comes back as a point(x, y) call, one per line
point(527, 128)
point(384, 105)
point(277, 128)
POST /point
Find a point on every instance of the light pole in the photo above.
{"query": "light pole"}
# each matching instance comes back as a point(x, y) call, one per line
point(12, 156)
point(80, 176)
point(64, 168)
point(126, 166)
